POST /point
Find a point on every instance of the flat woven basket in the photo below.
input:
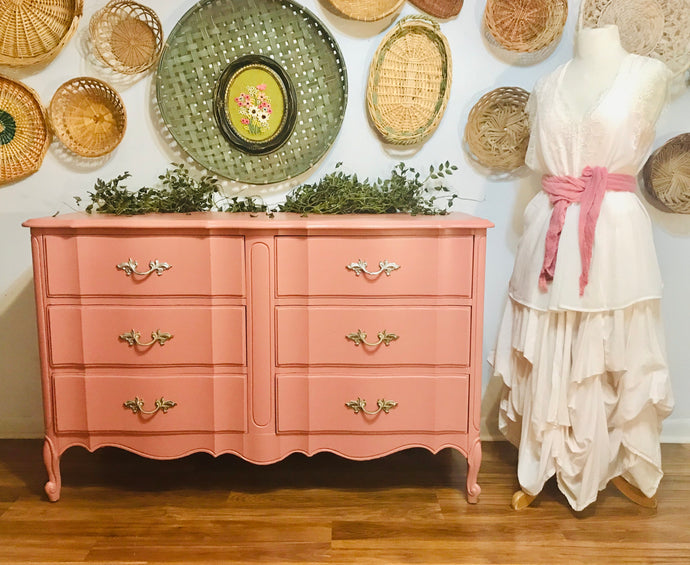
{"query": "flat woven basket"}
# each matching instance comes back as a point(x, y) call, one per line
point(497, 129)
point(24, 134)
point(213, 34)
point(409, 81)
point(655, 28)
point(531, 28)
point(366, 10)
point(666, 174)
point(127, 36)
point(439, 8)
point(34, 31)
point(88, 116)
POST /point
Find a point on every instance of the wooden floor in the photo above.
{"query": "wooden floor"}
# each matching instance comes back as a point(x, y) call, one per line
point(409, 507)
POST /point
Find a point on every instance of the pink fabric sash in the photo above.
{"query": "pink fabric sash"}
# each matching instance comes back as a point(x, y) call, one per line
point(588, 190)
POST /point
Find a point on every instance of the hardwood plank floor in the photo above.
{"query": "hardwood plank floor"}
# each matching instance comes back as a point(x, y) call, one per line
point(409, 507)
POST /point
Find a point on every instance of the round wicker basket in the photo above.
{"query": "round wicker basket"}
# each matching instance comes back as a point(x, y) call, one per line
point(34, 31)
point(666, 174)
point(409, 81)
point(527, 27)
point(439, 8)
point(88, 116)
point(127, 36)
point(366, 10)
point(655, 28)
point(24, 135)
point(497, 129)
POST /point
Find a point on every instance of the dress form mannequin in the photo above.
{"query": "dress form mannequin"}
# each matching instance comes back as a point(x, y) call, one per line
point(580, 399)
point(598, 57)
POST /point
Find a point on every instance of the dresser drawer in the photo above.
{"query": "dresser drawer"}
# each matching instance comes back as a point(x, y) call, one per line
point(320, 404)
point(199, 266)
point(202, 403)
point(90, 335)
point(428, 266)
point(317, 335)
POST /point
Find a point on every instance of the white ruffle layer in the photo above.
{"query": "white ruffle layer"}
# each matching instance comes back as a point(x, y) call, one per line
point(584, 396)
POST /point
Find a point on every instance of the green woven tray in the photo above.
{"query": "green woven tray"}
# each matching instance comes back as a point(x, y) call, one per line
point(213, 34)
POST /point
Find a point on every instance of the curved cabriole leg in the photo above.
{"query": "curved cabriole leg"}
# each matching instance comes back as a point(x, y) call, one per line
point(474, 460)
point(633, 493)
point(51, 459)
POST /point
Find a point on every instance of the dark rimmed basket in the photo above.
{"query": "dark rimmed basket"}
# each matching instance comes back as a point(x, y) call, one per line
point(213, 34)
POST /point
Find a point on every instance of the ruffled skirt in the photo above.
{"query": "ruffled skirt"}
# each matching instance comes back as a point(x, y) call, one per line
point(584, 396)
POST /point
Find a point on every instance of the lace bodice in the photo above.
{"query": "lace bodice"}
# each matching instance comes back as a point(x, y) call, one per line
point(616, 132)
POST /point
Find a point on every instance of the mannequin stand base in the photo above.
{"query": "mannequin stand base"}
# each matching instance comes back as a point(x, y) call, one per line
point(633, 493)
point(521, 500)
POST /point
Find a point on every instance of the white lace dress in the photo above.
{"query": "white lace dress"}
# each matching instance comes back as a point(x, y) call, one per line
point(586, 383)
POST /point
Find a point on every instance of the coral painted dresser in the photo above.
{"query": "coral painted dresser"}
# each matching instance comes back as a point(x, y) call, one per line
point(229, 333)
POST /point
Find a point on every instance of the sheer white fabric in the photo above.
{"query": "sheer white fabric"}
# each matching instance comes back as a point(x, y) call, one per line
point(586, 384)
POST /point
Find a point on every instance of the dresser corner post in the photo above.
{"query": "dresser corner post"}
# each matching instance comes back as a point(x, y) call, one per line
point(51, 460)
point(474, 460)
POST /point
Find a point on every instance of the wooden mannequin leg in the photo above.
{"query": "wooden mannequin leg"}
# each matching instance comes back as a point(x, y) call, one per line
point(633, 493)
point(521, 500)
point(52, 463)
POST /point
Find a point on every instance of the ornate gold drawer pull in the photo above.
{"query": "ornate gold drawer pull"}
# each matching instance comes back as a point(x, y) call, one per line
point(385, 266)
point(133, 336)
point(137, 406)
point(130, 267)
point(384, 337)
point(359, 405)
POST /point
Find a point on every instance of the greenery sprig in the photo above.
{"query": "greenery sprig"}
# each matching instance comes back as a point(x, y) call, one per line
point(336, 193)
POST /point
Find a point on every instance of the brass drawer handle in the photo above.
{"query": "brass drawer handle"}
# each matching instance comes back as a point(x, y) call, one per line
point(130, 267)
point(133, 336)
point(385, 266)
point(384, 337)
point(137, 406)
point(359, 405)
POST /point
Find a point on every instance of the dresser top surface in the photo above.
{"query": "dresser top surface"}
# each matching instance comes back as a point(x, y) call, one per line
point(224, 221)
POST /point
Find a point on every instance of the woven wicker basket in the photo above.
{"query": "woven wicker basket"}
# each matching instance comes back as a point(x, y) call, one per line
point(24, 135)
point(655, 28)
point(213, 34)
point(366, 10)
point(127, 36)
point(667, 174)
point(88, 116)
point(409, 81)
point(531, 28)
point(34, 31)
point(439, 8)
point(497, 129)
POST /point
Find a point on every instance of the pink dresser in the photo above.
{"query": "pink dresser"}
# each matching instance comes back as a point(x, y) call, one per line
point(226, 333)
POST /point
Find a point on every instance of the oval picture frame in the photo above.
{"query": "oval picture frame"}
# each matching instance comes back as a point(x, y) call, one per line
point(254, 104)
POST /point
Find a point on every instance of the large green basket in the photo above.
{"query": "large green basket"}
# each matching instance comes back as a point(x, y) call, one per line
point(213, 34)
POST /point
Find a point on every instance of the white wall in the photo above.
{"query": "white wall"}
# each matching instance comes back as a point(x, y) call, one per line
point(145, 153)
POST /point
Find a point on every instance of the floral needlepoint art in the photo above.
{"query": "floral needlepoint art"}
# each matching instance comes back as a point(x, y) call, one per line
point(255, 104)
